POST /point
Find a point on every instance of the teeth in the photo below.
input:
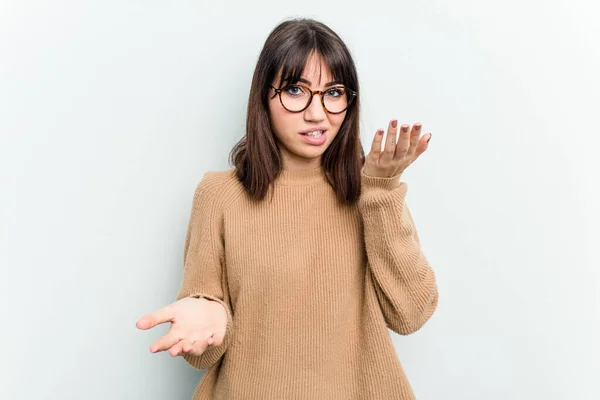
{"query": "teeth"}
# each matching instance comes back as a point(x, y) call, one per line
point(315, 133)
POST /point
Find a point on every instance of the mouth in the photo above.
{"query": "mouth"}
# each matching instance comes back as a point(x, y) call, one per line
point(314, 133)
point(315, 137)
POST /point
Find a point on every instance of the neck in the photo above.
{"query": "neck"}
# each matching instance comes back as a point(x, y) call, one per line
point(292, 162)
point(298, 177)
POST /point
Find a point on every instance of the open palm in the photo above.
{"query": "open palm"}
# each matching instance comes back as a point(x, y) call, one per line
point(195, 325)
point(395, 157)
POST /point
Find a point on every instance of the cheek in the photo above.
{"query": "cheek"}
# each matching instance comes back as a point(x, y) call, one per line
point(282, 121)
point(336, 120)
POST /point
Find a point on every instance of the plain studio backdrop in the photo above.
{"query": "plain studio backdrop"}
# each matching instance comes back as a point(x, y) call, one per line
point(111, 111)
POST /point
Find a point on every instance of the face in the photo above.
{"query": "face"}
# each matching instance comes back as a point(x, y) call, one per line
point(300, 151)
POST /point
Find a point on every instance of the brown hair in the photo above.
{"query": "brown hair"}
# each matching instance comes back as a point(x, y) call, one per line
point(256, 156)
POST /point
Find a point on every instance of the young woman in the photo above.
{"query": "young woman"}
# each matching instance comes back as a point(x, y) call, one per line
point(299, 258)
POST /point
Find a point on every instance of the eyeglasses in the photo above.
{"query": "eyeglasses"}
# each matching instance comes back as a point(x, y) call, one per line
point(297, 98)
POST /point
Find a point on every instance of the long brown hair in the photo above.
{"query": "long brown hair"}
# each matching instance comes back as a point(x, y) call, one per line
point(256, 156)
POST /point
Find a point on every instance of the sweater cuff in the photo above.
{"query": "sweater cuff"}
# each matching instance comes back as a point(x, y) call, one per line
point(387, 183)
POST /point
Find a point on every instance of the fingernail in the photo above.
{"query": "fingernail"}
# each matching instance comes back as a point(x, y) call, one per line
point(418, 127)
point(404, 128)
point(394, 123)
point(380, 132)
point(429, 138)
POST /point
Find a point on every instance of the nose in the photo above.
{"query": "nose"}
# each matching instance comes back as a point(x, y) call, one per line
point(315, 110)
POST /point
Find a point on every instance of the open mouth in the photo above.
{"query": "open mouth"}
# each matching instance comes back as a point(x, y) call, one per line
point(314, 134)
point(315, 138)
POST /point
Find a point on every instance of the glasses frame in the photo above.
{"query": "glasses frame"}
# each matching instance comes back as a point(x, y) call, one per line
point(321, 93)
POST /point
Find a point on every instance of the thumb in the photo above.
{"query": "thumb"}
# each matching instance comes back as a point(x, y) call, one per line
point(162, 315)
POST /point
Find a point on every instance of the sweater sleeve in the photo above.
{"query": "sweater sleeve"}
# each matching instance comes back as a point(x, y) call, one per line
point(203, 274)
point(404, 282)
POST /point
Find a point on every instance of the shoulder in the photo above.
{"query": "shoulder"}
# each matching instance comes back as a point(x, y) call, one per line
point(218, 188)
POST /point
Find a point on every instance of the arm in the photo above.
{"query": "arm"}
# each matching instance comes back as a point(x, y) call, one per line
point(404, 282)
point(204, 263)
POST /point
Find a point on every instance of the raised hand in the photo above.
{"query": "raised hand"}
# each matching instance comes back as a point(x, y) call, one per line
point(195, 325)
point(395, 157)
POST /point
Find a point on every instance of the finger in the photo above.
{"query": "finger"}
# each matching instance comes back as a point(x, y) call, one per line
point(376, 145)
point(414, 139)
point(390, 141)
point(187, 345)
point(176, 349)
point(162, 315)
point(165, 342)
point(217, 338)
point(403, 142)
point(422, 145)
point(198, 347)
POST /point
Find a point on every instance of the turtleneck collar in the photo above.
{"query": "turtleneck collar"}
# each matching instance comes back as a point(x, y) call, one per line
point(299, 178)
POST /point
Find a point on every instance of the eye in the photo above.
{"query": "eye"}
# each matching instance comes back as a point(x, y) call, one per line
point(294, 90)
point(335, 92)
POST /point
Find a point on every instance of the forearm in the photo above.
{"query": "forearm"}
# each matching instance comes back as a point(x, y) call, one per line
point(404, 281)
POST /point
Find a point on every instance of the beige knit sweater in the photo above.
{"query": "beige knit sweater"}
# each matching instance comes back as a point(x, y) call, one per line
point(310, 287)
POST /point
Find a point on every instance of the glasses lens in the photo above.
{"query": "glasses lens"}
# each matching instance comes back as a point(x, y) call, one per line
point(336, 99)
point(295, 98)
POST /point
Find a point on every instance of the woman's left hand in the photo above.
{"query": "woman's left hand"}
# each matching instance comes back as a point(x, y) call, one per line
point(395, 157)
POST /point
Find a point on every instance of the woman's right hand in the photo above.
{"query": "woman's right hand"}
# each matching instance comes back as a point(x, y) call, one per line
point(196, 323)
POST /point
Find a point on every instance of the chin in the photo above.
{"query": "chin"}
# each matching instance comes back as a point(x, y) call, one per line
point(311, 153)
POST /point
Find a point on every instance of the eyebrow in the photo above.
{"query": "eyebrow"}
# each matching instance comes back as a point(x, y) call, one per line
point(310, 83)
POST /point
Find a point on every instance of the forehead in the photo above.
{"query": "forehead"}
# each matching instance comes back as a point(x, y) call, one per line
point(315, 70)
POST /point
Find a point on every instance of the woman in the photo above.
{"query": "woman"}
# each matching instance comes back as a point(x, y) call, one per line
point(299, 258)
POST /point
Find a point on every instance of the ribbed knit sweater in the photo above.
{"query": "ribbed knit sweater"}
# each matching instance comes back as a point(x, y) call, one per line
point(310, 287)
